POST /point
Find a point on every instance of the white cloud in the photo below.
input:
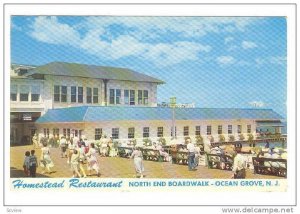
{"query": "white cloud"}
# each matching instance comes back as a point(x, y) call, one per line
point(49, 30)
point(257, 104)
point(225, 60)
point(228, 40)
point(278, 60)
point(248, 45)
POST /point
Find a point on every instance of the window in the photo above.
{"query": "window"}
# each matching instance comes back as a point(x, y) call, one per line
point(111, 96)
point(118, 96)
point(98, 133)
point(88, 95)
point(130, 132)
point(46, 133)
point(208, 130)
point(239, 129)
point(35, 93)
point(145, 97)
point(229, 129)
point(56, 93)
point(140, 97)
point(185, 131)
point(13, 92)
point(80, 94)
point(146, 131)
point(132, 97)
point(198, 131)
point(160, 131)
point(24, 93)
point(95, 95)
point(73, 94)
point(172, 131)
point(66, 132)
point(126, 97)
point(115, 133)
point(56, 132)
point(248, 128)
point(220, 129)
point(64, 94)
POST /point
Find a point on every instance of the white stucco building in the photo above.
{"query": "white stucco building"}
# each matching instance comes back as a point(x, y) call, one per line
point(74, 99)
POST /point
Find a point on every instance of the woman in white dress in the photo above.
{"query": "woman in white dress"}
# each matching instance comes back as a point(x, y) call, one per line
point(46, 161)
point(138, 162)
point(92, 160)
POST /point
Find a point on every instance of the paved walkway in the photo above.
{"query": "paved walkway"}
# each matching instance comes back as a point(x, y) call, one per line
point(116, 167)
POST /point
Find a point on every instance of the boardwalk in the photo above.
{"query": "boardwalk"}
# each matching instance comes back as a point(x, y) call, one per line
point(115, 167)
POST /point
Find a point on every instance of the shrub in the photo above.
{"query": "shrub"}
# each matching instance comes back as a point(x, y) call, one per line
point(221, 138)
point(199, 139)
point(250, 137)
point(231, 138)
point(147, 142)
point(211, 139)
point(162, 141)
point(241, 137)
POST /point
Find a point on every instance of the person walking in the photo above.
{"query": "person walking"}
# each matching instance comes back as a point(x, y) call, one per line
point(26, 163)
point(71, 148)
point(191, 155)
point(75, 164)
point(138, 161)
point(46, 161)
point(92, 160)
point(35, 141)
point(63, 146)
point(239, 166)
point(32, 164)
point(82, 158)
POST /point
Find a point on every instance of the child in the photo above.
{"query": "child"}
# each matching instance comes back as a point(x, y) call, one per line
point(32, 164)
point(26, 163)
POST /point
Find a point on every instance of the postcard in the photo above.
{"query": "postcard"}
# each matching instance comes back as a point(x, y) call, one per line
point(133, 101)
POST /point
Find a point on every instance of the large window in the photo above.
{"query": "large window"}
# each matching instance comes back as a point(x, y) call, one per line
point(56, 132)
point(115, 133)
point(73, 94)
point(172, 131)
point(160, 131)
point(98, 133)
point(56, 93)
point(24, 93)
point(140, 97)
point(185, 131)
point(132, 97)
point(46, 132)
point(64, 93)
point(131, 132)
point(88, 95)
point(126, 97)
point(146, 131)
point(95, 95)
point(248, 128)
point(145, 97)
point(220, 131)
point(80, 94)
point(13, 92)
point(208, 130)
point(198, 131)
point(239, 129)
point(229, 129)
point(35, 93)
point(66, 132)
point(112, 96)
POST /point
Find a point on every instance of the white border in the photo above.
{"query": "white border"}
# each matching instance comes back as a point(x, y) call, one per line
point(163, 198)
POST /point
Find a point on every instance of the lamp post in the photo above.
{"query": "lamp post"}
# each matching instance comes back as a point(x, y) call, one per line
point(173, 106)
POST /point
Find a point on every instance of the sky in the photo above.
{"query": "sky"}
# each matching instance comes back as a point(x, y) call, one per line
point(214, 62)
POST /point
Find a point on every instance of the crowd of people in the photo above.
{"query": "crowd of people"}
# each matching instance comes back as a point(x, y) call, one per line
point(82, 155)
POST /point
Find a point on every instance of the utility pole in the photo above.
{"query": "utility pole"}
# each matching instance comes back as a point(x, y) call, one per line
point(173, 106)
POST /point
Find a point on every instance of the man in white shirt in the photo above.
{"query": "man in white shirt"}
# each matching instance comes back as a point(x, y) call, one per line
point(191, 155)
point(239, 167)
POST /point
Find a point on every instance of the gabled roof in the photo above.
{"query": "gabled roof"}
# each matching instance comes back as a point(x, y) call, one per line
point(108, 113)
point(92, 71)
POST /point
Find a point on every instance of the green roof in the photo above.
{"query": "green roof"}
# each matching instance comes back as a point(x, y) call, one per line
point(92, 71)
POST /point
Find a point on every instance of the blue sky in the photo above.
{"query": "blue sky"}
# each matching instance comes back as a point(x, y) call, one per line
point(211, 61)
